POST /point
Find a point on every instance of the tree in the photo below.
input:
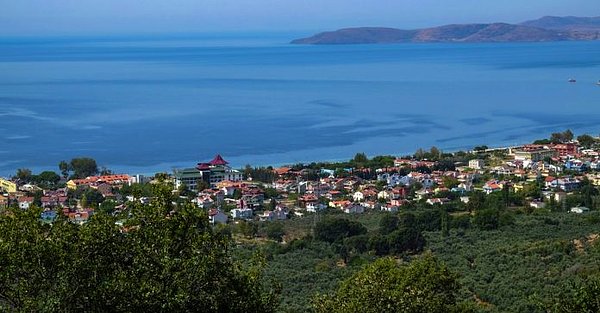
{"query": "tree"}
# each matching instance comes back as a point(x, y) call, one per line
point(202, 185)
point(333, 230)
point(580, 296)
point(388, 224)
point(83, 167)
point(360, 160)
point(49, 177)
point(568, 135)
point(247, 229)
point(162, 260)
point(275, 231)
point(487, 219)
point(24, 175)
point(450, 182)
point(423, 285)
point(586, 140)
point(565, 136)
point(435, 153)
point(64, 168)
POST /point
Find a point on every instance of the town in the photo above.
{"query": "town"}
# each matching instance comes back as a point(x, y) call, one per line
point(549, 173)
point(490, 214)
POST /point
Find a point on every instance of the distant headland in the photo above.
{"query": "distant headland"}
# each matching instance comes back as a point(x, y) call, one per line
point(545, 29)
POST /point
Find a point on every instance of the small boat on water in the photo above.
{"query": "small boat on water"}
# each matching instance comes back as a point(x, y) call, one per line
point(598, 83)
point(572, 80)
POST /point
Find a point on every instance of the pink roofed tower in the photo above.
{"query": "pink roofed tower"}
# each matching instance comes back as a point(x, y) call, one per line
point(218, 160)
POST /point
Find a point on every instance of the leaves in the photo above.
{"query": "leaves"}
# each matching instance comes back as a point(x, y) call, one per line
point(424, 285)
point(165, 258)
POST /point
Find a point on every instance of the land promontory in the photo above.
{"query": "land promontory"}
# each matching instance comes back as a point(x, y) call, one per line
point(543, 29)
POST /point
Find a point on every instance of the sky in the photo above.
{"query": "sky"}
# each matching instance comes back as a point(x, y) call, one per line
point(60, 17)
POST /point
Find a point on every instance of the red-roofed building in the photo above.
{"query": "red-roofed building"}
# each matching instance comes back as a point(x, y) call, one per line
point(213, 172)
point(565, 149)
point(218, 160)
point(113, 180)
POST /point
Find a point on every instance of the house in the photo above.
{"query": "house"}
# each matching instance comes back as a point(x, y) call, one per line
point(389, 208)
point(579, 210)
point(398, 202)
point(423, 193)
point(503, 170)
point(113, 180)
point(243, 213)
point(564, 149)
point(353, 208)
point(80, 216)
point(48, 216)
point(252, 197)
point(491, 186)
point(339, 204)
point(3, 202)
point(278, 214)
point(203, 201)
point(576, 165)
point(477, 164)
point(7, 186)
point(400, 192)
point(105, 189)
point(440, 201)
point(308, 199)
point(358, 196)
point(537, 204)
point(25, 202)
point(559, 197)
point(216, 216)
point(385, 194)
point(566, 184)
point(315, 207)
point(333, 195)
point(534, 154)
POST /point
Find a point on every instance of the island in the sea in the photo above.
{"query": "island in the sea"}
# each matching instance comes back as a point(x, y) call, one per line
point(544, 29)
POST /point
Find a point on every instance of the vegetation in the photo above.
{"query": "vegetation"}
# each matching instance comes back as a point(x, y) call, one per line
point(424, 285)
point(164, 259)
point(79, 167)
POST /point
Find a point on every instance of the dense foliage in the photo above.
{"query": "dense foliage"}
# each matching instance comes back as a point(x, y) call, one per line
point(424, 285)
point(163, 259)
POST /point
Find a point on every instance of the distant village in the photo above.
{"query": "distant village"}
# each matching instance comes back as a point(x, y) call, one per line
point(542, 175)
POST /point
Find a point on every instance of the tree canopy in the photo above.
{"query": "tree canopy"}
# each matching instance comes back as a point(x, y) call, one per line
point(162, 259)
point(333, 230)
point(423, 285)
point(80, 167)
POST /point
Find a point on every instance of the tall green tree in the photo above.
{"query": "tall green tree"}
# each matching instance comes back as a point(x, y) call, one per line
point(586, 140)
point(164, 259)
point(582, 296)
point(64, 168)
point(24, 175)
point(423, 285)
point(83, 167)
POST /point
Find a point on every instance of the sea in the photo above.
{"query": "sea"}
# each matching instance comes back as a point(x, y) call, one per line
point(151, 103)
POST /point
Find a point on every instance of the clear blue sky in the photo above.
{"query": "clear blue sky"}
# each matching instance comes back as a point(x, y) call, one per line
point(37, 17)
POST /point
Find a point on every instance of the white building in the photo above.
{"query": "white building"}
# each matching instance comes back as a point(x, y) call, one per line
point(477, 164)
point(216, 216)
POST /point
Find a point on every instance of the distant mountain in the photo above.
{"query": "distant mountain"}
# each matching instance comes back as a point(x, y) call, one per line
point(569, 23)
point(496, 32)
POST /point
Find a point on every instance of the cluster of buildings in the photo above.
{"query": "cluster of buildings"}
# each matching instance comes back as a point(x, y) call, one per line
point(226, 195)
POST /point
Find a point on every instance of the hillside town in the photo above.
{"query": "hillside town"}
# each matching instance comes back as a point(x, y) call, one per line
point(542, 175)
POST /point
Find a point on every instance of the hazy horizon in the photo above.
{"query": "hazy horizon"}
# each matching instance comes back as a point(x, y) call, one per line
point(107, 17)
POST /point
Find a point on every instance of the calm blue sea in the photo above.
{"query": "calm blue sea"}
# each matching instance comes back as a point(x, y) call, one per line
point(145, 104)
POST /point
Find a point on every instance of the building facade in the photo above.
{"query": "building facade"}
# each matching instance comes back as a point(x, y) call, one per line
point(213, 172)
point(7, 186)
